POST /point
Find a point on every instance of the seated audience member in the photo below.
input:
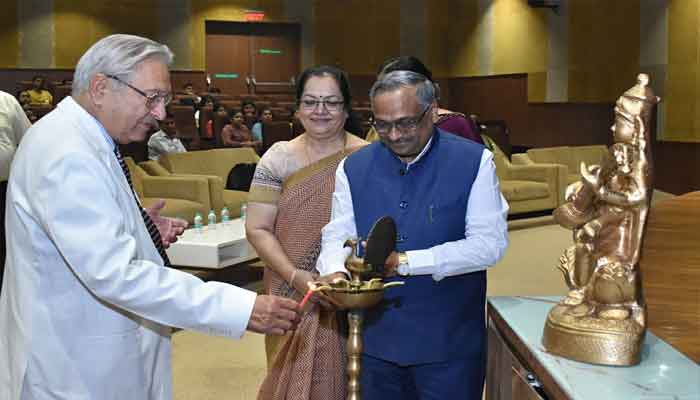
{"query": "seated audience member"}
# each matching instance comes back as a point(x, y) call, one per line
point(205, 101)
point(165, 140)
point(190, 97)
point(250, 113)
point(25, 100)
point(221, 111)
point(31, 115)
point(257, 127)
point(449, 121)
point(237, 134)
point(38, 95)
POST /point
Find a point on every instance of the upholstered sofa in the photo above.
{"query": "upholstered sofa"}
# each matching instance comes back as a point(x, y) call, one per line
point(184, 196)
point(214, 166)
point(528, 188)
point(569, 156)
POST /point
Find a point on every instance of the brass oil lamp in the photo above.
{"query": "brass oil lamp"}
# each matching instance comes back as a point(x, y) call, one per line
point(365, 289)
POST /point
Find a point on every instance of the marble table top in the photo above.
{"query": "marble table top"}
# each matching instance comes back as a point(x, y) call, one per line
point(663, 373)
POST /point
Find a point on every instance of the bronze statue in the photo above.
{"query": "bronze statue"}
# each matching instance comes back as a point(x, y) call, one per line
point(602, 319)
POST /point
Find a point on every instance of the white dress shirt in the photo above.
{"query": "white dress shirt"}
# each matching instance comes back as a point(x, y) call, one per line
point(160, 143)
point(13, 124)
point(485, 230)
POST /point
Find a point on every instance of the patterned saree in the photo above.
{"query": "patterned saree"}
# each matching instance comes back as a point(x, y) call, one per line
point(309, 363)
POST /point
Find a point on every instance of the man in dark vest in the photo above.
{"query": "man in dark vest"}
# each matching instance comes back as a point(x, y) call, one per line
point(427, 339)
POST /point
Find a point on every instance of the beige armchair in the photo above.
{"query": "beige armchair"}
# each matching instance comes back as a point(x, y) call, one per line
point(213, 165)
point(184, 196)
point(569, 156)
point(529, 188)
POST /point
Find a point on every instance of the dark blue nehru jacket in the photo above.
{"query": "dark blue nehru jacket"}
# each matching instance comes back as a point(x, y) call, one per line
point(424, 320)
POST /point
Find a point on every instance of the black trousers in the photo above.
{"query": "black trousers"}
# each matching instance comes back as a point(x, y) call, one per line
point(3, 198)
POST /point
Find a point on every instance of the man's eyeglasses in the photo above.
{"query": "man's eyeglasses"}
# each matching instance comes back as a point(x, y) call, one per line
point(330, 105)
point(403, 125)
point(152, 99)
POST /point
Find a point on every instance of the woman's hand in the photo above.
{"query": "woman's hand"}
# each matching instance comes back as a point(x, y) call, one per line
point(303, 281)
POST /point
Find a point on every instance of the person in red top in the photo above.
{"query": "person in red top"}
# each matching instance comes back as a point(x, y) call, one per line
point(237, 134)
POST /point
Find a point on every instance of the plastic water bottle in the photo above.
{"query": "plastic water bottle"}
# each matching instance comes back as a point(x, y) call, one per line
point(225, 217)
point(198, 221)
point(211, 219)
point(244, 208)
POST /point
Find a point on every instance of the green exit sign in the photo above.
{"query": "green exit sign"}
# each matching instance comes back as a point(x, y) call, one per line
point(270, 51)
point(226, 76)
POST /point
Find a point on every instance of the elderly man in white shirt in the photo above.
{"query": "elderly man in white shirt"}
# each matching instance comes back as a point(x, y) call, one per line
point(427, 338)
point(13, 124)
point(165, 140)
point(89, 299)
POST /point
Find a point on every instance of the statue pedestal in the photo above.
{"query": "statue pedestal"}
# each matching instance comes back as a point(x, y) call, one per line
point(592, 340)
point(520, 368)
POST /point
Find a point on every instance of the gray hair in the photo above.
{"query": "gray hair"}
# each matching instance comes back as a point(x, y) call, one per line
point(118, 55)
point(425, 90)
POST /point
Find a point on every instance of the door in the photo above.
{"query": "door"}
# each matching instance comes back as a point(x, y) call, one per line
point(239, 53)
point(228, 63)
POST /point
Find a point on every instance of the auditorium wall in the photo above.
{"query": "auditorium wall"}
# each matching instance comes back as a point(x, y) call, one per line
point(580, 56)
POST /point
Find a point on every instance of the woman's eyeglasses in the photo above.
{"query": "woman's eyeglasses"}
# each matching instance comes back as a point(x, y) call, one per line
point(330, 105)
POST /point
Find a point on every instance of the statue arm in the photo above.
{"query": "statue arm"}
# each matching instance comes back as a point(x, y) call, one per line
point(622, 199)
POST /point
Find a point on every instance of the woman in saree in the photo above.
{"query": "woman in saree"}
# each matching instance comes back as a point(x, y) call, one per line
point(288, 205)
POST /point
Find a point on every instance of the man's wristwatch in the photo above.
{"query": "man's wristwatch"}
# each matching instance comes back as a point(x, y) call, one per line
point(402, 268)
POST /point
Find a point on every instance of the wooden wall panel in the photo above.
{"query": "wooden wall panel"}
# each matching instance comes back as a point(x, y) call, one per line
point(10, 76)
point(677, 166)
point(531, 124)
point(196, 78)
point(558, 124)
point(9, 35)
point(357, 35)
point(670, 272)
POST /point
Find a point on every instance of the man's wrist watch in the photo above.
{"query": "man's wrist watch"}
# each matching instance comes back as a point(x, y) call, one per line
point(402, 268)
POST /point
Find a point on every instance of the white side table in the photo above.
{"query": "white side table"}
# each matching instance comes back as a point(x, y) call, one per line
point(217, 248)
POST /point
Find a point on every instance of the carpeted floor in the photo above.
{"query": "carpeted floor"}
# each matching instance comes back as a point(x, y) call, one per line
point(206, 367)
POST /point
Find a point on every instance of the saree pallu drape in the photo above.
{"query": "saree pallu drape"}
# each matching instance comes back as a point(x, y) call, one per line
point(309, 363)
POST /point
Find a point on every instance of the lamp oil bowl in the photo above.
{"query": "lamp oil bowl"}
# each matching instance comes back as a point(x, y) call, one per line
point(347, 296)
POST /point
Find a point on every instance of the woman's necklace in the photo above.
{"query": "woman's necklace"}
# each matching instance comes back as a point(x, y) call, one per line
point(308, 154)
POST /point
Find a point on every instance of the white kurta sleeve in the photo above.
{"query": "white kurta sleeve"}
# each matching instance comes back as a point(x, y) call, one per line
point(340, 228)
point(485, 231)
point(83, 214)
